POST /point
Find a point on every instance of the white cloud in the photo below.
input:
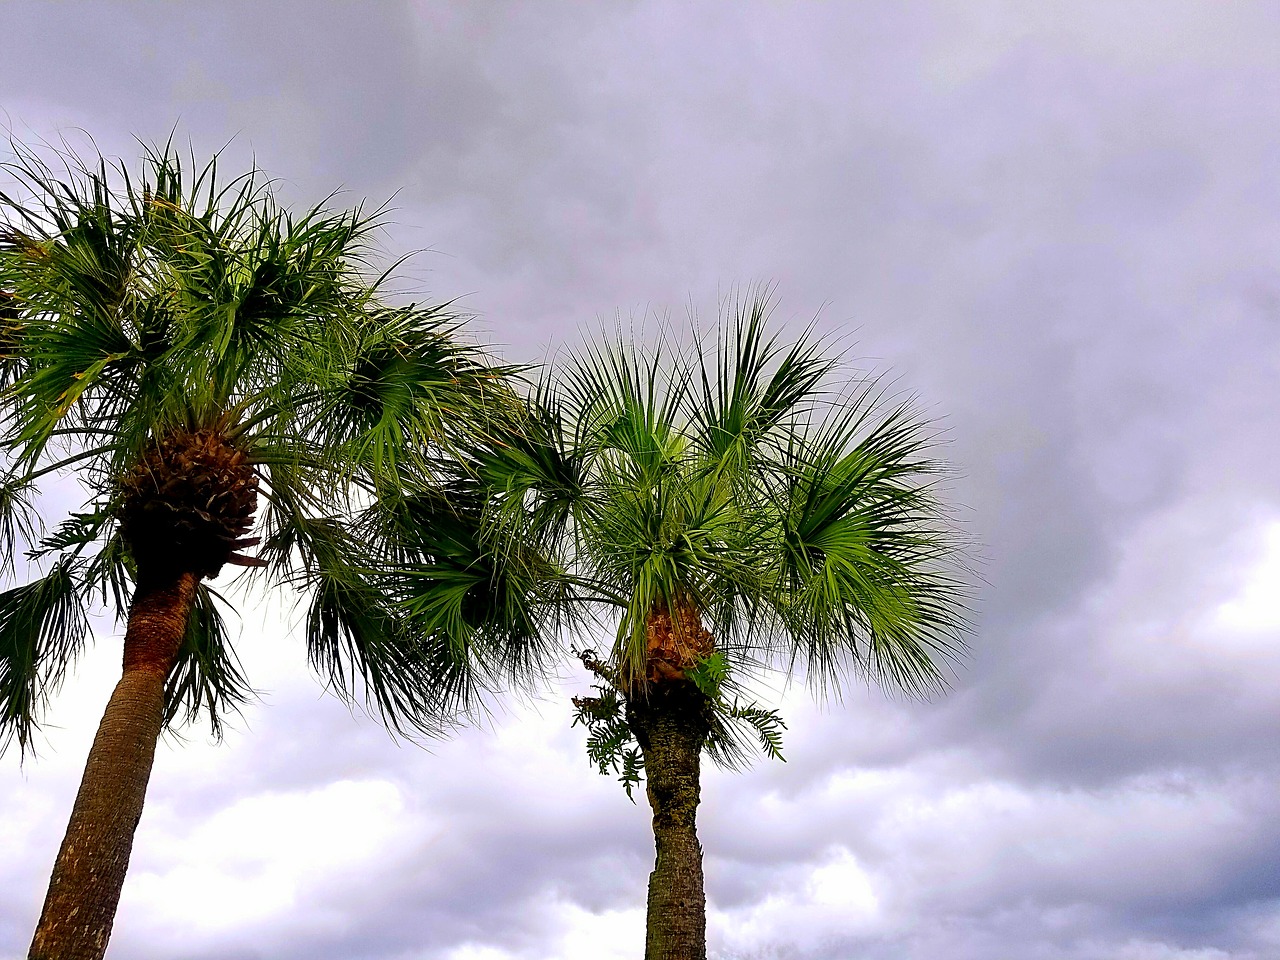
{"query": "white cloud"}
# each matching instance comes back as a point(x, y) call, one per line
point(250, 863)
point(1254, 611)
point(808, 906)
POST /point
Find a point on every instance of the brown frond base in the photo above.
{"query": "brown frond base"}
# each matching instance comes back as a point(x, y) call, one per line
point(675, 641)
point(188, 502)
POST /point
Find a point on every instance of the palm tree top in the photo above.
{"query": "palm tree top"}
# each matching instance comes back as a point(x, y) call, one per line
point(796, 513)
point(148, 315)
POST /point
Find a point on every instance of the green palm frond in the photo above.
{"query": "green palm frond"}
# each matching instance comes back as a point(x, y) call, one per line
point(532, 470)
point(739, 731)
point(357, 643)
point(752, 388)
point(867, 555)
point(493, 604)
point(136, 306)
point(624, 402)
point(208, 678)
point(19, 521)
point(357, 646)
point(408, 385)
point(42, 630)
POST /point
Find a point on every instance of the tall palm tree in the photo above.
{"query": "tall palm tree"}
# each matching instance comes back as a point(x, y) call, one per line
point(729, 508)
point(196, 355)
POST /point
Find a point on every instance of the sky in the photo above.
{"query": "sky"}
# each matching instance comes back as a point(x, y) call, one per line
point(1057, 224)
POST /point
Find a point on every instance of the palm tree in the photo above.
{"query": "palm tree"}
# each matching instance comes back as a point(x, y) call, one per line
point(730, 510)
point(193, 353)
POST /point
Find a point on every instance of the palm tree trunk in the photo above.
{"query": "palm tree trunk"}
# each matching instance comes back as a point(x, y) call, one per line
point(671, 728)
point(89, 872)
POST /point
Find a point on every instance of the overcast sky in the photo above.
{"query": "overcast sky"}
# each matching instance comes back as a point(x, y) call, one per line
point(1057, 223)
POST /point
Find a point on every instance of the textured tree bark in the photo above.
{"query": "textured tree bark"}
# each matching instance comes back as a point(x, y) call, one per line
point(671, 728)
point(88, 875)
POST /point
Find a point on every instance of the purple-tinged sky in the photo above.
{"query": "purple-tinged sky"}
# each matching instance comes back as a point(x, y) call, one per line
point(1057, 223)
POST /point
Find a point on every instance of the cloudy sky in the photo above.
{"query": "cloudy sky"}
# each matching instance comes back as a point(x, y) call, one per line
point(1057, 223)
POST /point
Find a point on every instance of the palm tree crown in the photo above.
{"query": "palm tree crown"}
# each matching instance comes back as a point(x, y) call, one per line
point(731, 491)
point(738, 511)
point(198, 356)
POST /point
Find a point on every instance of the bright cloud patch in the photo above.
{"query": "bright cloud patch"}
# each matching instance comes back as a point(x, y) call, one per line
point(1256, 607)
point(254, 860)
point(814, 905)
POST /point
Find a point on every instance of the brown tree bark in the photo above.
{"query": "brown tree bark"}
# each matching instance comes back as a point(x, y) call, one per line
point(88, 875)
point(669, 721)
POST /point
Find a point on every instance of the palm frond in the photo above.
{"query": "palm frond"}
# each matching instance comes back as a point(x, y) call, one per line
point(139, 304)
point(751, 387)
point(492, 605)
point(739, 730)
point(208, 677)
point(19, 520)
point(359, 644)
point(867, 555)
point(408, 385)
point(42, 630)
point(626, 400)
